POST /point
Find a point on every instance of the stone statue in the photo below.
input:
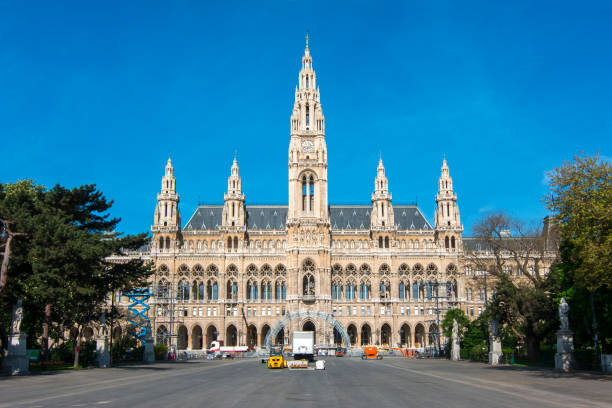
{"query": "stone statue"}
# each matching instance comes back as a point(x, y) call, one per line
point(103, 329)
point(493, 328)
point(455, 349)
point(563, 311)
point(17, 317)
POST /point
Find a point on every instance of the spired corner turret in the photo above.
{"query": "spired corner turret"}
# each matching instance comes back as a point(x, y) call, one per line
point(233, 209)
point(167, 218)
point(447, 219)
point(234, 215)
point(382, 209)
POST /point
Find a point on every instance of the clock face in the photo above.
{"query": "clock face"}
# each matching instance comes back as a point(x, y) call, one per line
point(307, 145)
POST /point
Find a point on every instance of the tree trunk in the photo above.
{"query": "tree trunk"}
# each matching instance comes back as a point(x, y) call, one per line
point(533, 347)
point(5, 263)
point(77, 348)
point(595, 335)
point(44, 347)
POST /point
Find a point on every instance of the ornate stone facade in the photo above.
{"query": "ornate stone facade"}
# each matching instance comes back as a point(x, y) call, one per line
point(235, 270)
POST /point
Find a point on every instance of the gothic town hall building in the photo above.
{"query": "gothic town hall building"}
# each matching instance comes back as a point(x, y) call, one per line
point(233, 271)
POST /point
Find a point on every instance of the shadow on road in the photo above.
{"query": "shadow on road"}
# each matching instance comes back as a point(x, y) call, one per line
point(544, 372)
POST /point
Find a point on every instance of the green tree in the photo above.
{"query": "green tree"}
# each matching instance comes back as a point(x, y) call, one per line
point(581, 199)
point(515, 249)
point(463, 322)
point(64, 269)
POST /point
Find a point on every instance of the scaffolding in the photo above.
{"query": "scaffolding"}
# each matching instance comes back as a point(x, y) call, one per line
point(139, 312)
point(167, 313)
point(443, 304)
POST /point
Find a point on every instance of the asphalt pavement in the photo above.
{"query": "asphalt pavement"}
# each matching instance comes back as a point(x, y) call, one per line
point(346, 382)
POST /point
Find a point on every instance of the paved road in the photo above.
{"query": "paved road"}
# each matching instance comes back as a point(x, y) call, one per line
point(392, 382)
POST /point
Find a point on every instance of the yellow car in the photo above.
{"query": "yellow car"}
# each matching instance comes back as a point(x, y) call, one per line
point(276, 359)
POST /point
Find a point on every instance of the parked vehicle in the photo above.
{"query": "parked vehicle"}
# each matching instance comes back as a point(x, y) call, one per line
point(276, 359)
point(303, 345)
point(340, 351)
point(371, 353)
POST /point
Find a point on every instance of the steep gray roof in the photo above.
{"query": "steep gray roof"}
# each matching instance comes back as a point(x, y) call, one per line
point(273, 217)
point(258, 217)
point(406, 217)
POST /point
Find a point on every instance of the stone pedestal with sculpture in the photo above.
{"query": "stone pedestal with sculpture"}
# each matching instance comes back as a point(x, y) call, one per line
point(149, 353)
point(455, 350)
point(564, 357)
point(16, 361)
point(102, 351)
point(495, 346)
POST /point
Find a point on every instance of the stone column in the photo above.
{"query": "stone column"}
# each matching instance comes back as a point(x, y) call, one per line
point(495, 348)
point(102, 351)
point(16, 361)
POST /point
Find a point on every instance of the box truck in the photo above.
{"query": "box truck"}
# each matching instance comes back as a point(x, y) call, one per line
point(303, 345)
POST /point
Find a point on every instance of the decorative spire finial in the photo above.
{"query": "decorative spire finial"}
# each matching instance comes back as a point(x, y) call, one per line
point(307, 37)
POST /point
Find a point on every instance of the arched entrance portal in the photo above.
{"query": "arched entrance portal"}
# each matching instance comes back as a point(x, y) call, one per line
point(196, 338)
point(181, 341)
point(231, 336)
point(280, 337)
point(385, 335)
point(405, 336)
point(251, 336)
point(419, 336)
point(264, 332)
point(308, 317)
point(366, 335)
point(310, 326)
point(352, 333)
point(162, 335)
point(337, 337)
point(211, 335)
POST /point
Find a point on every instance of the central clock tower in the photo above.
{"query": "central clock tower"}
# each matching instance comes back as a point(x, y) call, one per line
point(308, 224)
point(307, 152)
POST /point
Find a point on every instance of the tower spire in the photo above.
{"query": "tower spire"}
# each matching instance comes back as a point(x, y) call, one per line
point(447, 219)
point(382, 210)
point(233, 210)
point(167, 219)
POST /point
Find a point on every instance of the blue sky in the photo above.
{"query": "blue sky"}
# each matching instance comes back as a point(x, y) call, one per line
point(102, 92)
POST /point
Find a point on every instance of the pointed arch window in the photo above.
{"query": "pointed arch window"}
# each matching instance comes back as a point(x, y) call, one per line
point(311, 192)
point(307, 116)
point(308, 283)
point(350, 291)
point(453, 242)
point(364, 290)
point(304, 191)
point(212, 290)
point(415, 291)
point(281, 290)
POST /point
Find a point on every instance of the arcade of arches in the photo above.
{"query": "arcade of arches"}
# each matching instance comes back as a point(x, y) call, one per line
point(196, 338)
